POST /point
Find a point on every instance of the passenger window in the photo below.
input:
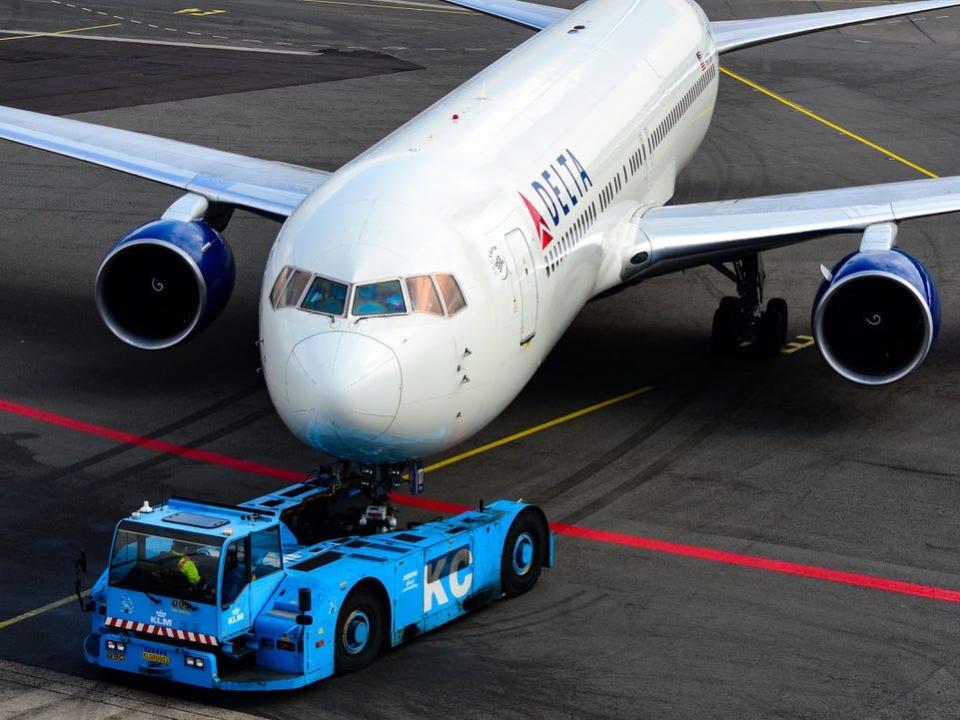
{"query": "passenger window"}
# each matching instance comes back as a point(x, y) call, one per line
point(289, 287)
point(265, 553)
point(382, 298)
point(452, 296)
point(423, 295)
point(236, 571)
point(326, 296)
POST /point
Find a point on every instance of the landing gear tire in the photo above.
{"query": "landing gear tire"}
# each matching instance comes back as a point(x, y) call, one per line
point(359, 634)
point(524, 553)
point(726, 322)
point(772, 333)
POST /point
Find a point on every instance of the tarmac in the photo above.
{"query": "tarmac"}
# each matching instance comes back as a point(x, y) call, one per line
point(738, 538)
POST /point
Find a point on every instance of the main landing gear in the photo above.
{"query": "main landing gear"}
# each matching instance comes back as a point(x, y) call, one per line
point(741, 324)
point(356, 500)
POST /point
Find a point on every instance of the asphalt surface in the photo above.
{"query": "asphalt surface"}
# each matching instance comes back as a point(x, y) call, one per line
point(776, 459)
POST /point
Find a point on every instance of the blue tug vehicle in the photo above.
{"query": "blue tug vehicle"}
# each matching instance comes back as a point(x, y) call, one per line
point(272, 594)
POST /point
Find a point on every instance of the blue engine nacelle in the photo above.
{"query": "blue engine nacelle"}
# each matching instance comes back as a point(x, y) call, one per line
point(164, 282)
point(877, 317)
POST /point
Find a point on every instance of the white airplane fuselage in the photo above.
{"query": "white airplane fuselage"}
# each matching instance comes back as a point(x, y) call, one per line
point(519, 183)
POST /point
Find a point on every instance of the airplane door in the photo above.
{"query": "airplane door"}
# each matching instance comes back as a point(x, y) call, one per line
point(527, 276)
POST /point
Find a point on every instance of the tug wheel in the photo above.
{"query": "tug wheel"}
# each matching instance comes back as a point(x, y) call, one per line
point(359, 634)
point(524, 553)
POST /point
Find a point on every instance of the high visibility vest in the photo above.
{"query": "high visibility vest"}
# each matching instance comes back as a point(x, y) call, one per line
point(189, 568)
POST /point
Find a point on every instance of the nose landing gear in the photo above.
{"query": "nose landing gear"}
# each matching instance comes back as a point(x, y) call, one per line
point(740, 324)
point(356, 501)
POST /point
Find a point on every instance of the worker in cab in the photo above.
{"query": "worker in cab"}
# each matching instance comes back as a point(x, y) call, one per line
point(185, 565)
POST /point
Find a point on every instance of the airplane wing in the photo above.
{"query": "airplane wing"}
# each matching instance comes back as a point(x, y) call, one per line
point(729, 34)
point(528, 14)
point(737, 34)
point(676, 237)
point(263, 186)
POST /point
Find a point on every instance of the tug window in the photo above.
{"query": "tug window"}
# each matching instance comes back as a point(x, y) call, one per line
point(452, 296)
point(265, 555)
point(289, 287)
point(326, 296)
point(381, 298)
point(423, 295)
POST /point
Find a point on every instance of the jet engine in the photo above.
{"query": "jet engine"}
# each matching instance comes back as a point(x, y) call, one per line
point(164, 282)
point(876, 315)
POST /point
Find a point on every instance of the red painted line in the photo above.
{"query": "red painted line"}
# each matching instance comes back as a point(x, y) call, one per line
point(760, 563)
point(160, 446)
point(447, 508)
point(755, 562)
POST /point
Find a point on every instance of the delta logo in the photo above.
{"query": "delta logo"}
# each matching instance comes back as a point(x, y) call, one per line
point(559, 188)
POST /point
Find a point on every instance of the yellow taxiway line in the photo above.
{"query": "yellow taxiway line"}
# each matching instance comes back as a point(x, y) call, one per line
point(537, 428)
point(59, 32)
point(40, 610)
point(832, 125)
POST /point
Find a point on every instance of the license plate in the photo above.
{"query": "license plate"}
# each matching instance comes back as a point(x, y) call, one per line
point(118, 657)
point(157, 658)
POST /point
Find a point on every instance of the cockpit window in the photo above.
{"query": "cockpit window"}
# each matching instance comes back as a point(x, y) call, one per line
point(380, 298)
point(423, 295)
point(325, 296)
point(280, 284)
point(288, 287)
point(452, 296)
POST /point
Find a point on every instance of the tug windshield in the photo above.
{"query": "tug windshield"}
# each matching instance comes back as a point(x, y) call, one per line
point(165, 562)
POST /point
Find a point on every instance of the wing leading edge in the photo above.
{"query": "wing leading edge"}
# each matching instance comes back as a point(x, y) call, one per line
point(263, 186)
point(682, 236)
point(528, 14)
point(729, 34)
point(737, 34)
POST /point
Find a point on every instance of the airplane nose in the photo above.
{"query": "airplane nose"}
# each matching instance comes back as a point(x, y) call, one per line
point(350, 385)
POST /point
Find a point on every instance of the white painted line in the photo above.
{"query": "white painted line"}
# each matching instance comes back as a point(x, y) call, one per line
point(175, 43)
point(865, 42)
point(220, 37)
point(194, 33)
point(251, 41)
point(137, 22)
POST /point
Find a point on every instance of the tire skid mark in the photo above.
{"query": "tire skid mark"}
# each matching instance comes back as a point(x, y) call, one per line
point(222, 432)
point(741, 395)
point(631, 443)
point(121, 448)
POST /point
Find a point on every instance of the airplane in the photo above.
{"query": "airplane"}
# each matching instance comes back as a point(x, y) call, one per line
point(410, 295)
